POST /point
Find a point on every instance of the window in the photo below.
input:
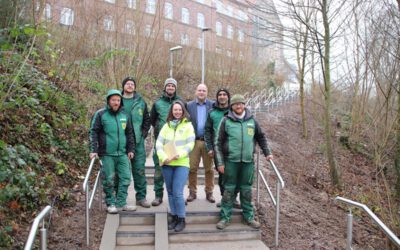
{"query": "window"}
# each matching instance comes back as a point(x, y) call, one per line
point(240, 36)
point(185, 16)
point(47, 11)
point(229, 10)
point(242, 15)
point(108, 23)
point(130, 27)
point(184, 39)
point(218, 28)
point(168, 11)
point(151, 6)
point(240, 55)
point(148, 30)
point(199, 42)
point(200, 20)
point(229, 32)
point(218, 49)
point(110, 1)
point(131, 4)
point(67, 16)
point(168, 35)
point(229, 52)
point(200, 1)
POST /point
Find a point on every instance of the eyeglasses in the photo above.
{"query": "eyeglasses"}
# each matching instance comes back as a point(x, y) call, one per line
point(130, 84)
point(222, 94)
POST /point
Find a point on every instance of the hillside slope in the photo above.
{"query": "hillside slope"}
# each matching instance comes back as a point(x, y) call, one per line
point(310, 218)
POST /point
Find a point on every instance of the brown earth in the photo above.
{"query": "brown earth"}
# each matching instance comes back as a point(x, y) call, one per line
point(309, 218)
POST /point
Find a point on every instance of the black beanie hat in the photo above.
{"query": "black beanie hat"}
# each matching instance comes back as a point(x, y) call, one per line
point(129, 78)
point(226, 91)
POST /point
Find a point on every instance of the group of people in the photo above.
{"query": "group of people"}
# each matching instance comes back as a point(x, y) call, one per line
point(223, 132)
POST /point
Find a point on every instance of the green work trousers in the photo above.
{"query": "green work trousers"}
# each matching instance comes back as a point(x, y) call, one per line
point(238, 175)
point(138, 171)
point(158, 177)
point(112, 166)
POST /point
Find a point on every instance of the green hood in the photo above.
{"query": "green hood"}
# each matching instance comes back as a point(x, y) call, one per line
point(111, 93)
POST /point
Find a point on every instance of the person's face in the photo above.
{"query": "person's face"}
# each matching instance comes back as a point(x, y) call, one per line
point(129, 87)
point(114, 102)
point(177, 111)
point(238, 108)
point(201, 92)
point(222, 98)
point(170, 89)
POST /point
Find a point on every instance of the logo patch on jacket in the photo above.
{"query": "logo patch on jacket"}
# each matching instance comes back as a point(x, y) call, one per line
point(250, 131)
point(140, 111)
point(123, 123)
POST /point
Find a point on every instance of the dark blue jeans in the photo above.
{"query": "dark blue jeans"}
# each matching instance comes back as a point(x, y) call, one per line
point(175, 179)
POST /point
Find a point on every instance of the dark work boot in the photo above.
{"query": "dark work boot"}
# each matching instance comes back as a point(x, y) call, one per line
point(192, 196)
point(174, 221)
point(181, 225)
point(157, 201)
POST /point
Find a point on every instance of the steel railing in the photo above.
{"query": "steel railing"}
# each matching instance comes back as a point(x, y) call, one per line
point(280, 184)
point(90, 195)
point(43, 230)
point(385, 229)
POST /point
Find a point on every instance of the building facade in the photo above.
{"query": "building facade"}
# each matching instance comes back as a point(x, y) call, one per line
point(228, 25)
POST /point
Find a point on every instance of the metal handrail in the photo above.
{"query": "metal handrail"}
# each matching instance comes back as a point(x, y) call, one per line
point(382, 225)
point(90, 195)
point(43, 230)
point(280, 184)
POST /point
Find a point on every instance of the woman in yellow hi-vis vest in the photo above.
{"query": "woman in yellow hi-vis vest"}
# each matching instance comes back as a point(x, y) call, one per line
point(173, 145)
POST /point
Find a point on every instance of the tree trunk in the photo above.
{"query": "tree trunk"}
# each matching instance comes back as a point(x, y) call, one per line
point(303, 115)
point(335, 176)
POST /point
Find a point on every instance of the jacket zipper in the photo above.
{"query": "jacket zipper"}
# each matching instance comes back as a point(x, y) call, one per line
point(116, 120)
point(241, 150)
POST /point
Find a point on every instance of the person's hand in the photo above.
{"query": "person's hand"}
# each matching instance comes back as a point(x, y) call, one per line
point(211, 153)
point(269, 157)
point(221, 169)
point(93, 155)
point(173, 158)
point(131, 155)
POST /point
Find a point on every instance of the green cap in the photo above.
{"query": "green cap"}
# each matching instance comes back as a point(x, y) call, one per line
point(237, 99)
point(112, 92)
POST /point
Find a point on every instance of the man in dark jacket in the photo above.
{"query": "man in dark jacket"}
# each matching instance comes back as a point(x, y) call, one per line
point(158, 117)
point(139, 118)
point(112, 139)
point(219, 110)
point(198, 109)
point(235, 145)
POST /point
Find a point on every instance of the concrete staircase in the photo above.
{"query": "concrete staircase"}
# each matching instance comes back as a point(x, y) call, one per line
point(146, 228)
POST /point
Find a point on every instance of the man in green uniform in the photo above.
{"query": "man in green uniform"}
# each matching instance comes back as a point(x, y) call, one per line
point(139, 117)
point(235, 144)
point(158, 117)
point(112, 139)
point(219, 110)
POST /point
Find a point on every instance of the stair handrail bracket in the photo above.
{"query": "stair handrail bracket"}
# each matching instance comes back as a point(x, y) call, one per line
point(375, 218)
point(43, 230)
point(280, 184)
point(91, 194)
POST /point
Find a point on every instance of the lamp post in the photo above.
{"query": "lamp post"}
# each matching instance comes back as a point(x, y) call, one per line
point(202, 52)
point(171, 50)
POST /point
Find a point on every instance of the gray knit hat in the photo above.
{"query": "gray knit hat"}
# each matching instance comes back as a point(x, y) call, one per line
point(170, 80)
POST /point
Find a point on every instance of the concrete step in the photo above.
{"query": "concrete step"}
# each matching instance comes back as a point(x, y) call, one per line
point(136, 218)
point(135, 235)
point(210, 217)
point(209, 233)
point(145, 247)
point(231, 245)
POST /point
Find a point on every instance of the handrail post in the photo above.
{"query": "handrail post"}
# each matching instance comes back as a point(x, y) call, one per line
point(258, 178)
point(87, 213)
point(349, 230)
point(43, 237)
point(277, 211)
